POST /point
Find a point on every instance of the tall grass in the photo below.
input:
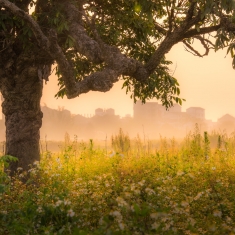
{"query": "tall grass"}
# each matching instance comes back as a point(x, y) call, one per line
point(156, 187)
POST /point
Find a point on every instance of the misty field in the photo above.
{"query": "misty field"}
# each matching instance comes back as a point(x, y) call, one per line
point(125, 187)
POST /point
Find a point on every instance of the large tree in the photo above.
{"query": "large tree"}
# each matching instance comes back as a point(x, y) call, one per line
point(93, 44)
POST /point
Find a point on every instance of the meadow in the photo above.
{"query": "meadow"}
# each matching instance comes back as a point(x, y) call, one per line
point(125, 186)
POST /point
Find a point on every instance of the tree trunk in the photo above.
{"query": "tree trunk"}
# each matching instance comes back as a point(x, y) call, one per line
point(22, 91)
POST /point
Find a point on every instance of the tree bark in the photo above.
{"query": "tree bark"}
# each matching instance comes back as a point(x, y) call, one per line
point(22, 91)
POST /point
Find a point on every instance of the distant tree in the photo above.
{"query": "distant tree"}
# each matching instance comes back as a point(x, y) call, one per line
point(93, 45)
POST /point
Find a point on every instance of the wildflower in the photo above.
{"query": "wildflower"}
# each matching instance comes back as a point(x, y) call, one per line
point(58, 203)
point(155, 225)
point(184, 204)
point(39, 210)
point(121, 202)
point(192, 221)
point(154, 215)
point(101, 221)
point(198, 196)
point(70, 213)
point(32, 170)
point(141, 183)
point(217, 213)
point(191, 175)
point(19, 169)
point(132, 187)
point(116, 214)
point(127, 194)
point(36, 163)
point(112, 154)
point(137, 191)
point(179, 173)
point(67, 202)
point(150, 191)
point(121, 226)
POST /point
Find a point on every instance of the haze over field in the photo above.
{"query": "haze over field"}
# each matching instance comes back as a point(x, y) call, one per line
point(207, 82)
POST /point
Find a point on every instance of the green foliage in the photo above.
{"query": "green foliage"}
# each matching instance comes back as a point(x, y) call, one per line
point(6, 159)
point(76, 192)
point(206, 145)
point(131, 26)
point(121, 142)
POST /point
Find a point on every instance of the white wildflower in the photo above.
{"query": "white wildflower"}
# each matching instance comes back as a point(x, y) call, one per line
point(39, 210)
point(137, 191)
point(198, 196)
point(184, 204)
point(132, 187)
point(217, 213)
point(121, 202)
point(150, 191)
point(179, 173)
point(121, 226)
point(141, 183)
point(58, 203)
point(70, 213)
point(116, 214)
point(36, 163)
point(154, 215)
point(155, 225)
point(67, 202)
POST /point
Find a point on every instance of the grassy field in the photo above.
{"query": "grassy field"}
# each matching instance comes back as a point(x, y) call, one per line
point(126, 187)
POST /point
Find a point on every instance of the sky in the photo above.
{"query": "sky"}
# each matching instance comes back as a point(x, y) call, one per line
point(207, 82)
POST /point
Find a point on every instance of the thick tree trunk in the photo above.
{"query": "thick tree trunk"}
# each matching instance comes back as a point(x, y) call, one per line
point(22, 91)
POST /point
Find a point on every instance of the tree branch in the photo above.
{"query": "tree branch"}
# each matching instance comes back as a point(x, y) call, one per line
point(160, 29)
point(116, 63)
point(40, 37)
point(83, 43)
point(192, 50)
point(190, 12)
point(205, 30)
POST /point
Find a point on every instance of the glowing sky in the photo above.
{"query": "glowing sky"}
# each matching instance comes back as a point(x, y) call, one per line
point(207, 82)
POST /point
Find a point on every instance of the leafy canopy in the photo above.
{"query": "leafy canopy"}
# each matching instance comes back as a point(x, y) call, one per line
point(91, 37)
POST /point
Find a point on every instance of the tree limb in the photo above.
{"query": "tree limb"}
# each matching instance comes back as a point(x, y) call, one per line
point(83, 43)
point(191, 49)
point(40, 37)
point(194, 32)
point(115, 63)
point(160, 29)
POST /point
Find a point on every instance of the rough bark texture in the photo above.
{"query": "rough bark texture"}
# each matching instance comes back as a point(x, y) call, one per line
point(22, 91)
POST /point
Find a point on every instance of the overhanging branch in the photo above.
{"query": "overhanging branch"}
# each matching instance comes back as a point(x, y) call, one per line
point(116, 63)
point(40, 37)
point(194, 32)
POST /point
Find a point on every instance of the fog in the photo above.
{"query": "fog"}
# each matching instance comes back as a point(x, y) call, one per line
point(149, 121)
